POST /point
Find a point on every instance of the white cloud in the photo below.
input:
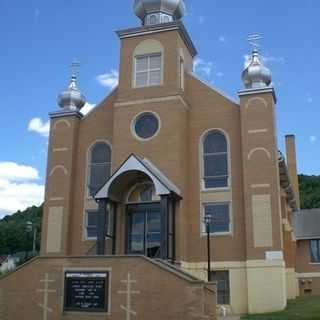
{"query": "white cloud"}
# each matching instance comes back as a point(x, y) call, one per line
point(222, 39)
point(202, 67)
point(87, 108)
point(247, 59)
point(37, 12)
point(12, 171)
point(202, 19)
point(18, 187)
point(39, 126)
point(266, 59)
point(313, 139)
point(109, 79)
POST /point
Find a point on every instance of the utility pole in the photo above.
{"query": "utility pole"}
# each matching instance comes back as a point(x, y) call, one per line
point(31, 227)
point(207, 221)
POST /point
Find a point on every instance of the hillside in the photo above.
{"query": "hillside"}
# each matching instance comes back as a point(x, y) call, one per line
point(13, 235)
point(309, 191)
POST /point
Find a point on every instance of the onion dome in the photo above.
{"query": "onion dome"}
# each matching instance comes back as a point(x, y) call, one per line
point(256, 75)
point(72, 98)
point(159, 11)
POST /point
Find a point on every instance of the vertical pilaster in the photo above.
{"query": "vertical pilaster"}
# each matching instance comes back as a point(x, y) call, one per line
point(62, 153)
point(164, 222)
point(102, 224)
point(261, 184)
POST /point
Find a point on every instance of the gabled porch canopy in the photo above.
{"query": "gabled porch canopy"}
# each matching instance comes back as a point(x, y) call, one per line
point(128, 172)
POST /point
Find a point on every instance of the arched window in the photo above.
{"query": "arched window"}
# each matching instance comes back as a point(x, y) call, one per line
point(143, 192)
point(99, 167)
point(215, 160)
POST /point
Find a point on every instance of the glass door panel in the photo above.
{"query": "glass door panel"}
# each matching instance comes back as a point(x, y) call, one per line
point(136, 232)
point(144, 229)
point(153, 233)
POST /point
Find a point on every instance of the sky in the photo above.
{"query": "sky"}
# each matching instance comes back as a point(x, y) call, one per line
point(40, 39)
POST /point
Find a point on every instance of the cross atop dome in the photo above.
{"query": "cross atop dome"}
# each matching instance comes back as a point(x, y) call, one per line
point(159, 11)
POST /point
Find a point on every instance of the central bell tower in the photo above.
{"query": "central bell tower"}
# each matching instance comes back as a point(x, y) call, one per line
point(155, 58)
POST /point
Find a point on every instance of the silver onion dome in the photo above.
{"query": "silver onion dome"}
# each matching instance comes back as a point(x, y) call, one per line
point(159, 11)
point(256, 75)
point(72, 98)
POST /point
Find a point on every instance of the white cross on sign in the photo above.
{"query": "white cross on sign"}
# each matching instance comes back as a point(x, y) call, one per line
point(45, 292)
point(129, 292)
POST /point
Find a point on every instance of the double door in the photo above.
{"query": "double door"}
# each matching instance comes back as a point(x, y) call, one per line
point(143, 229)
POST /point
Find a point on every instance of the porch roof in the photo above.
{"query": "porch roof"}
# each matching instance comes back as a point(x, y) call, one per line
point(135, 165)
point(307, 224)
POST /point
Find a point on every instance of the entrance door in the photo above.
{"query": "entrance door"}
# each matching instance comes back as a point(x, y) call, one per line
point(144, 229)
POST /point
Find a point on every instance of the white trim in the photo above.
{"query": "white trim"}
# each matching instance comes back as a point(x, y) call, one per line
point(59, 167)
point(151, 100)
point(60, 149)
point(252, 151)
point(249, 102)
point(65, 121)
point(308, 275)
point(256, 186)
point(134, 121)
point(257, 131)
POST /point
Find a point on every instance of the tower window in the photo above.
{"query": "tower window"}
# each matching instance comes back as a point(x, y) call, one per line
point(215, 160)
point(100, 166)
point(153, 19)
point(148, 70)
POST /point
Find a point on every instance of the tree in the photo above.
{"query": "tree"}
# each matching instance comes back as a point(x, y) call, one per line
point(309, 191)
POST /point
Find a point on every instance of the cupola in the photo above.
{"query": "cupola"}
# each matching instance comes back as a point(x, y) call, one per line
point(159, 11)
point(72, 98)
point(256, 75)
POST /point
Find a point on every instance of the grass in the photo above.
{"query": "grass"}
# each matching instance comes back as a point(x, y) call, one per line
point(306, 308)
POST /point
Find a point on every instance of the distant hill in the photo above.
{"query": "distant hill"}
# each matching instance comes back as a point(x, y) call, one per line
point(13, 235)
point(309, 191)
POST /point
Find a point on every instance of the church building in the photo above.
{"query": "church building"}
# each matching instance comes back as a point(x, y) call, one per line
point(134, 185)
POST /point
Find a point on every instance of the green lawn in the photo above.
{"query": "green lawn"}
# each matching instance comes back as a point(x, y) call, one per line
point(306, 308)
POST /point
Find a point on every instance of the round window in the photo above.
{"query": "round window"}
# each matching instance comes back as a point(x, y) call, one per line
point(146, 125)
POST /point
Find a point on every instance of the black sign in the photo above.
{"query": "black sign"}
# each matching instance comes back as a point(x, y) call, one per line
point(86, 291)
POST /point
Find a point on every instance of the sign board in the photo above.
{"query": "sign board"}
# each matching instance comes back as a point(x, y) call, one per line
point(86, 291)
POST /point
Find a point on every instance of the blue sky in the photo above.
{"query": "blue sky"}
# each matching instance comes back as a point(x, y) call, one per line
point(40, 38)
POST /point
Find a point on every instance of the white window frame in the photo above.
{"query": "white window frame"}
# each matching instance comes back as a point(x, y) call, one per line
point(202, 182)
point(148, 70)
point(202, 217)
